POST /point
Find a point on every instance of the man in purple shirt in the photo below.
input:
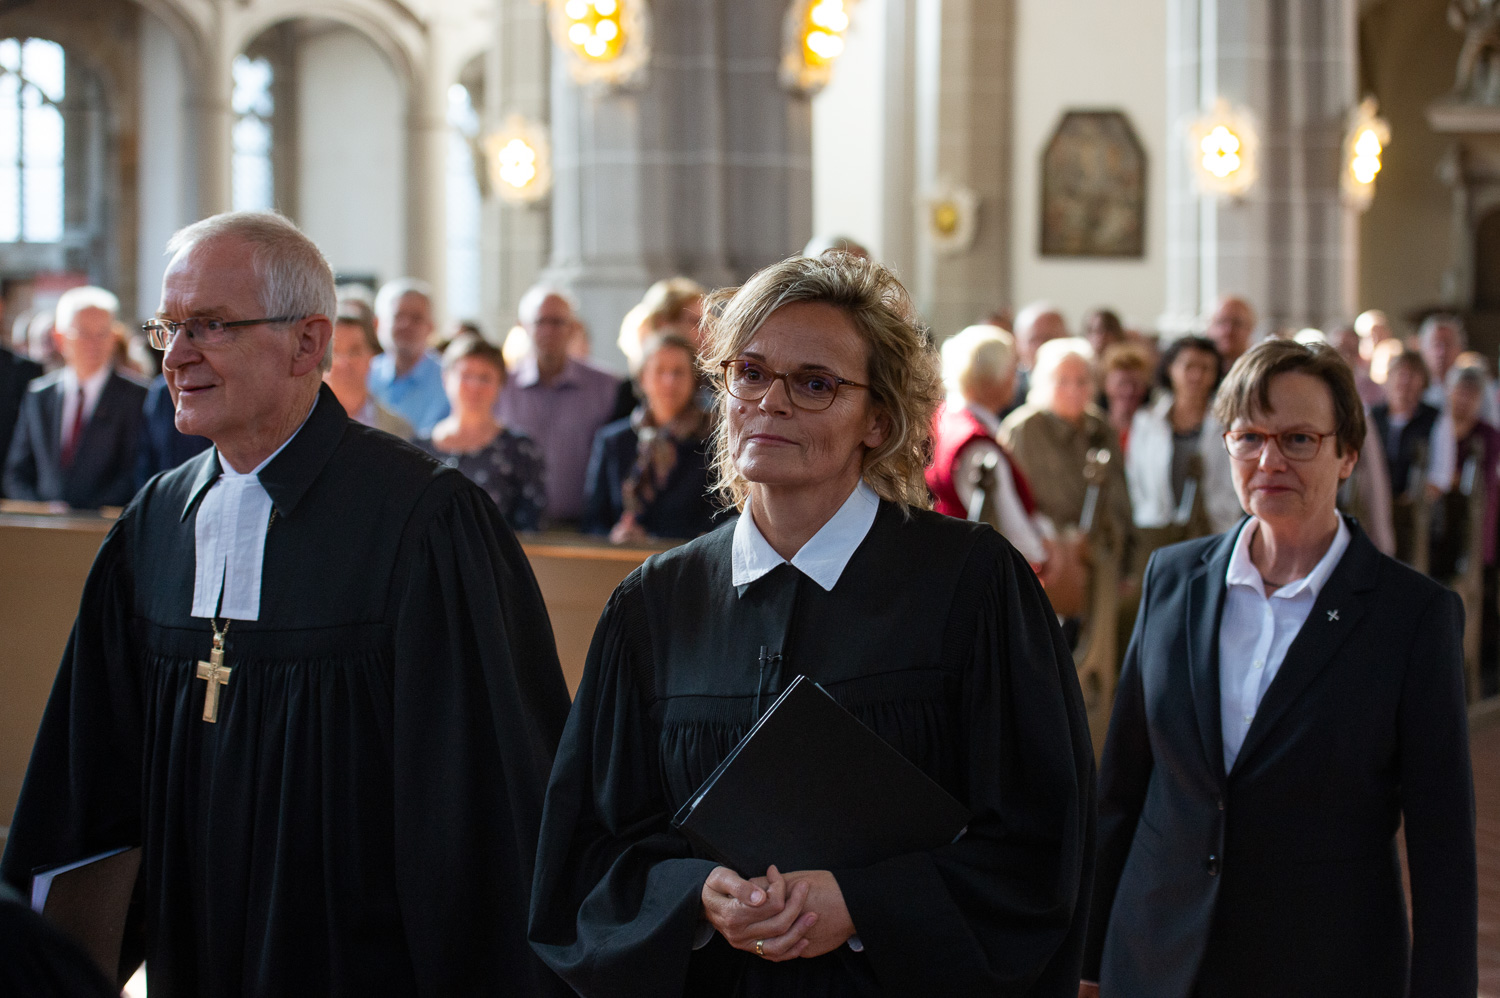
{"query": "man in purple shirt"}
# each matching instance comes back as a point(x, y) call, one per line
point(557, 401)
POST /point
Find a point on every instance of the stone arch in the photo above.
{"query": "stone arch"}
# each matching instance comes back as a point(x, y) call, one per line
point(390, 27)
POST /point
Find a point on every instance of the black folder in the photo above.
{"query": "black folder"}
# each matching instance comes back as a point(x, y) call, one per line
point(88, 901)
point(811, 788)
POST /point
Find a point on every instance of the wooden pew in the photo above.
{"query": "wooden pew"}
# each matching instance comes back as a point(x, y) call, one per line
point(45, 555)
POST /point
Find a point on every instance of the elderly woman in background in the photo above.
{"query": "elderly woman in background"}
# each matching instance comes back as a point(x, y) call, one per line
point(1127, 382)
point(979, 369)
point(1176, 438)
point(355, 345)
point(670, 307)
point(648, 473)
point(1059, 433)
point(932, 631)
point(1291, 699)
point(506, 464)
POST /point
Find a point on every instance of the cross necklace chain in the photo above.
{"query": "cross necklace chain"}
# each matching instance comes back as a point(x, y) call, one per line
point(215, 671)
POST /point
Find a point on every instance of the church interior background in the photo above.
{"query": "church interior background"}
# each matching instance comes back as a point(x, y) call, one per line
point(966, 143)
point(1317, 157)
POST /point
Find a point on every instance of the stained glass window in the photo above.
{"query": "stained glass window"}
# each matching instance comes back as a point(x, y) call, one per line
point(32, 81)
point(254, 187)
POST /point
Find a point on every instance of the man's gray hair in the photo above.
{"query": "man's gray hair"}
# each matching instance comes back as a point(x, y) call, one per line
point(1028, 316)
point(75, 300)
point(391, 292)
point(1433, 323)
point(531, 301)
point(293, 274)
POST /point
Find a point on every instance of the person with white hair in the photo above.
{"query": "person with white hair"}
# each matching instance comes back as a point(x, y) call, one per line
point(311, 676)
point(558, 401)
point(79, 427)
point(1441, 339)
point(1035, 324)
point(979, 370)
point(408, 377)
point(1059, 432)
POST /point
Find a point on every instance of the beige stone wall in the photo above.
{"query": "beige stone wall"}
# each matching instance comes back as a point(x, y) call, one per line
point(1407, 54)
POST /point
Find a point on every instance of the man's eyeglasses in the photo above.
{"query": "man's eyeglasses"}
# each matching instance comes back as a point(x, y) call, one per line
point(202, 331)
point(1295, 445)
point(811, 390)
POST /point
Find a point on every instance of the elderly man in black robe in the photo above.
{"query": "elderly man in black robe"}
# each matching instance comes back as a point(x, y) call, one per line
point(312, 676)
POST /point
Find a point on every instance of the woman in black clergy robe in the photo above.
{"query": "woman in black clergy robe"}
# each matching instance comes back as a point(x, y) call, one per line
point(933, 631)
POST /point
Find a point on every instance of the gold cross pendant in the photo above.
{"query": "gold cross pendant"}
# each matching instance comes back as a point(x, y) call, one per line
point(217, 674)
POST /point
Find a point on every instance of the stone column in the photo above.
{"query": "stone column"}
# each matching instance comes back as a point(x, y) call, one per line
point(1288, 245)
point(426, 174)
point(703, 169)
point(213, 116)
point(517, 238)
point(964, 62)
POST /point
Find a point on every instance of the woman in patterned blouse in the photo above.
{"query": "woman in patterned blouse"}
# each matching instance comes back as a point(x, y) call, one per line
point(506, 464)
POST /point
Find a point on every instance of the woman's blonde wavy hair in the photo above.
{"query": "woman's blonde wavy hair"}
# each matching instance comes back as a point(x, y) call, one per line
point(905, 385)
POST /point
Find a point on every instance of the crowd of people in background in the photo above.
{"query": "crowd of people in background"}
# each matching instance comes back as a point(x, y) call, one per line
point(1038, 410)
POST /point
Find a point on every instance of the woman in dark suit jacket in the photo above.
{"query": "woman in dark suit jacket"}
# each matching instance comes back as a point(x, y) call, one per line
point(648, 473)
point(1290, 698)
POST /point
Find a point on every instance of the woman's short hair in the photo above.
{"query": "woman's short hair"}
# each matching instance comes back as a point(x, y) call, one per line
point(1049, 357)
point(1413, 361)
point(468, 345)
point(364, 320)
point(976, 355)
point(665, 305)
point(1247, 387)
point(1131, 357)
point(1181, 343)
point(903, 367)
point(1467, 376)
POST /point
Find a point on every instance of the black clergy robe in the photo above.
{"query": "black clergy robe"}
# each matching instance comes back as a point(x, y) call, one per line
point(939, 638)
point(361, 819)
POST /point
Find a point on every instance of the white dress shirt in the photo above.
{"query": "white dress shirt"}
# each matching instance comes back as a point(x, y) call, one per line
point(1256, 631)
point(230, 534)
point(92, 388)
point(825, 554)
point(1018, 526)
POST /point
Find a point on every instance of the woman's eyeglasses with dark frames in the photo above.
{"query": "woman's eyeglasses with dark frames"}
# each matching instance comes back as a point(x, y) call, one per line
point(811, 390)
point(1295, 445)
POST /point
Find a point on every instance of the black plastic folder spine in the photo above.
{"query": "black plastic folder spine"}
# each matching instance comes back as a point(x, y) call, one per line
point(811, 788)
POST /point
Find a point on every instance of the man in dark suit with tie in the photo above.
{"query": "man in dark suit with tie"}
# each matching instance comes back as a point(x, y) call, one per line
point(78, 430)
point(1290, 698)
point(16, 372)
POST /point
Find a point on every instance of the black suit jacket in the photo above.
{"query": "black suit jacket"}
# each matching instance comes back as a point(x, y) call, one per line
point(1281, 877)
point(16, 373)
point(103, 470)
point(1417, 432)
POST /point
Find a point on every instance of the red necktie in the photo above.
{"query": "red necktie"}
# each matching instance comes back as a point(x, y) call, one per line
point(70, 445)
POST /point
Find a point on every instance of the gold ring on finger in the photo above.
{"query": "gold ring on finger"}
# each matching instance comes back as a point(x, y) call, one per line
point(760, 947)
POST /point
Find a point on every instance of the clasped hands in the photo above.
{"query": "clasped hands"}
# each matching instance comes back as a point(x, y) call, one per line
point(798, 914)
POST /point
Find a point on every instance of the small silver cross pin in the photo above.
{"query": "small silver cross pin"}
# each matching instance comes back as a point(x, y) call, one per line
point(1333, 615)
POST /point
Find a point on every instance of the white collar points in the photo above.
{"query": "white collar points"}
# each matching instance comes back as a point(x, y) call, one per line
point(825, 555)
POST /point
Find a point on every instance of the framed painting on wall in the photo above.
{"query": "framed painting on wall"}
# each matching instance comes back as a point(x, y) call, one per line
point(1094, 188)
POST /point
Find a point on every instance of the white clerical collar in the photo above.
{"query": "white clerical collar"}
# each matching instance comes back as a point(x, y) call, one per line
point(1242, 571)
point(823, 557)
point(230, 535)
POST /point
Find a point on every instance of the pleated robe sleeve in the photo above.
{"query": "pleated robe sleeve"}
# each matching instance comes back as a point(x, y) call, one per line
point(479, 703)
point(82, 794)
point(1001, 911)
point(616, 902)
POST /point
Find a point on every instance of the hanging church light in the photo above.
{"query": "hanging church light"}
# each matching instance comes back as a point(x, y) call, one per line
point(606, 40)
point(814, 34)
point(1364, 144)
point(1222, 148)
point(519, 157)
